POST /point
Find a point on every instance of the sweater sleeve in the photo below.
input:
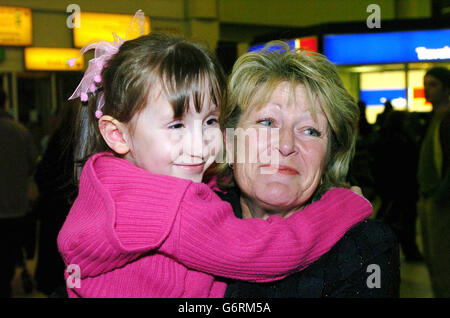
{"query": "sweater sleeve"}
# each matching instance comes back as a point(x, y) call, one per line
point(121, 216)
point(218, 243)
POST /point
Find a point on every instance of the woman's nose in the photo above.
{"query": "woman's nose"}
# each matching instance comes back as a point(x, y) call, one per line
point(287, 142)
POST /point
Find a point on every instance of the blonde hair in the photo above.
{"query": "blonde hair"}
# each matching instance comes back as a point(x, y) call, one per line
point(255, 76)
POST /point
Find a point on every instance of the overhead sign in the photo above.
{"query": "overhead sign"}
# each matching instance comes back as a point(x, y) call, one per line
point(94, 27)
point(379, 96)
point(15, 26)
point(308, 43)
point(53, 59)
point(391, 47)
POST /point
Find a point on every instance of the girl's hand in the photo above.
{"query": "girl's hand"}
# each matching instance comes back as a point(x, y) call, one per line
point(357, 190)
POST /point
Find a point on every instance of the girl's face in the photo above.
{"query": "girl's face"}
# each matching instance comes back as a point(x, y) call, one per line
point(179, 147)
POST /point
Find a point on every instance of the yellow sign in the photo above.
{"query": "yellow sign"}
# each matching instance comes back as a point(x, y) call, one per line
point(53, 59)
point(15, 26)
point(94, 27)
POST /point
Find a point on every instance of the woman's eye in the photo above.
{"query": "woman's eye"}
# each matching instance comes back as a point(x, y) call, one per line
point(176, 125)
point(266, 122)
point(313, 132)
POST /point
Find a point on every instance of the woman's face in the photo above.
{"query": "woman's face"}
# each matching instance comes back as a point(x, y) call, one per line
point(290, 146)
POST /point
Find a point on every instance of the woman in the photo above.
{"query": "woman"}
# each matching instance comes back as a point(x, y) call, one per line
point(434, 182)
point(291, 113)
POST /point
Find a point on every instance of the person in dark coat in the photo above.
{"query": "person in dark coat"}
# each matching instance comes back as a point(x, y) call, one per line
point(396, 157)
point(55, 180)
point(17, 164)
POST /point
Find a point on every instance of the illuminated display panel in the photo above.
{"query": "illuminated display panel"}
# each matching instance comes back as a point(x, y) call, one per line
point(101, 26)
point(52, 59)
point(308, 43)
point(416, 95)
point(15, 26)
point(378, 87)
point(390, 47)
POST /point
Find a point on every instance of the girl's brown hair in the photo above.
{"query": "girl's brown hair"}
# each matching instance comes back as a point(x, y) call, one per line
point(182, 70)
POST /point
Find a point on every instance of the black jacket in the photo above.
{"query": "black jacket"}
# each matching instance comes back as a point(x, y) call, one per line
point(363, 264)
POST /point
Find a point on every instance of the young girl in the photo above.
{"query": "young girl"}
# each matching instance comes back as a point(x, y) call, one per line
point(143, 224)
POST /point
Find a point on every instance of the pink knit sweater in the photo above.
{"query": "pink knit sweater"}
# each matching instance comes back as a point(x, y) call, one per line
point(136, 234)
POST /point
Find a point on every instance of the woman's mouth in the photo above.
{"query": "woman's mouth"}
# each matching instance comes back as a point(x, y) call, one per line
point(282, 169)
point(287, 170)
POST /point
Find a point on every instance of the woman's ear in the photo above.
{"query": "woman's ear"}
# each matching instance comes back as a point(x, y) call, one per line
point(113, 133)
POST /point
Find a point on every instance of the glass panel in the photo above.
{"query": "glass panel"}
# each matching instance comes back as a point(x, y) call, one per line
point(416, 97)
point(376, 88)
point(34, 103)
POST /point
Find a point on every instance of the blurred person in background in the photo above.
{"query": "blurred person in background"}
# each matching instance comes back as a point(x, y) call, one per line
point(57, 190)
point(361, 170)
point(396, 157)
point(17, 163)
point(382, 116)
point(434, 182)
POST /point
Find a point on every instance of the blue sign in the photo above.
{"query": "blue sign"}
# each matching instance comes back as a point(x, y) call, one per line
point(379, 96)
point(392, 47)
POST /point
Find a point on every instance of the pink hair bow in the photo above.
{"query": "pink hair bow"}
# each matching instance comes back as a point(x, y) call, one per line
point(104, 50)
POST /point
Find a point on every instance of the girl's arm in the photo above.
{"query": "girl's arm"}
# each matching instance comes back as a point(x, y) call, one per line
point(218, 243)
point(122, 214)
point(205, 235)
